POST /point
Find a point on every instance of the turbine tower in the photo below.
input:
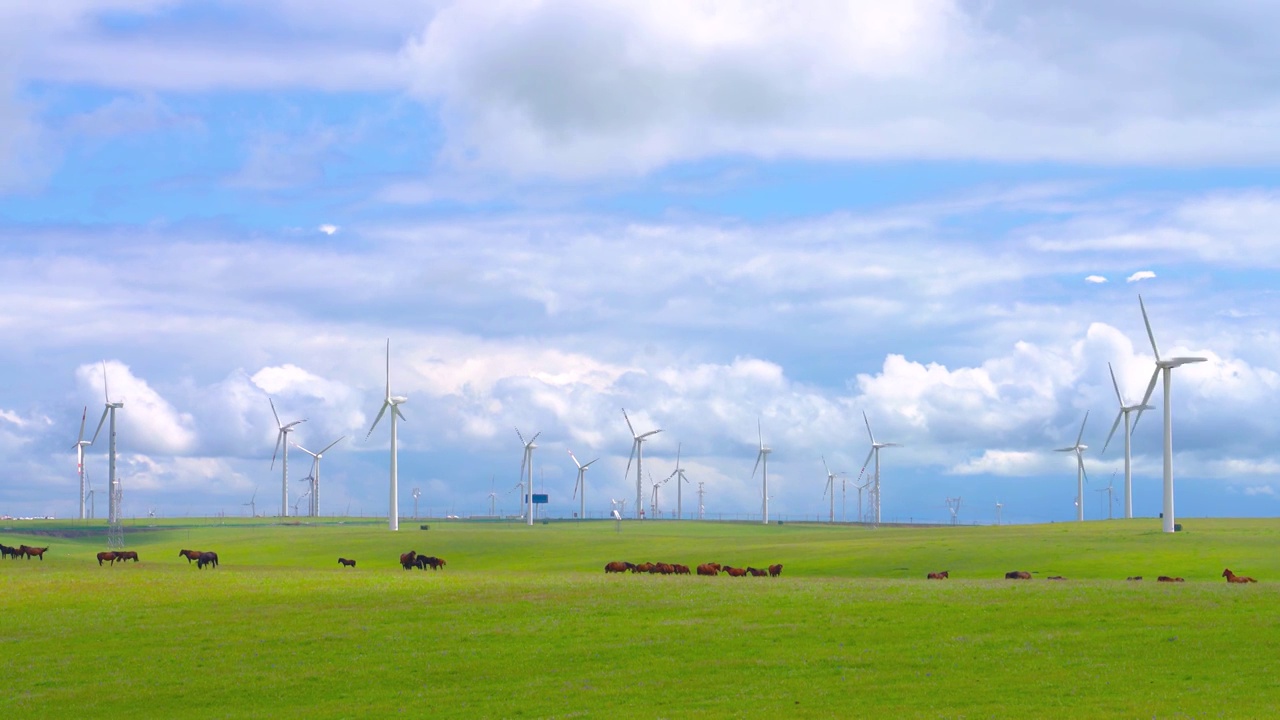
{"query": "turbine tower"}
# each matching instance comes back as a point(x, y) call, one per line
point(1081, 475)
point(580, 488)
point(762, 457)
point(830, 490)
point(282, 438)
point(79, 447)
point(394, 402)
point(115, 533)
point(526, 463)
point(875, 479)
point(315, 474)
point(1128, 435)
point(637, 451)
point(1164, 368)
point(678, 474)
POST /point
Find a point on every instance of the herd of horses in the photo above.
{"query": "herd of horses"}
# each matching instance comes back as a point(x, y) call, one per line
point(116, 556)
point(709, 569)
point(1024, 575)
point(412, 559)
point(202, 558)
point(24, 551)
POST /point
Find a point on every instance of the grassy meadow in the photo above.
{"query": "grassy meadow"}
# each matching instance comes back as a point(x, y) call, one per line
point(524, 623)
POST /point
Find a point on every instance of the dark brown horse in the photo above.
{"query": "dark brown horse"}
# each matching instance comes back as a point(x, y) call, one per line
point(8, 551)
point(1232, 577)
point(189, 555)
point(435, 562)
point(107, 557)
point(1134, 577)
point(617, 566)
point(1017, 575)
point(409, 560)
point(122, 555)
point(1166, 578)
point(31, 552)
point(735, 572)
point(775, 570)
point(939, 575)
point(346, 563)
point(709, 569)
point(680, 569)
point(207, 558)
point(757, 572)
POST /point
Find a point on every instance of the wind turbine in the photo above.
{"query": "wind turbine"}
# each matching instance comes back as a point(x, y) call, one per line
point(282, 438)
point(875, 450)
point(416, 494)
point(394, 402)
point(1081, 475)
point(1109, 490)
point(492, 495)
point(637, 451)
point(113, 483)
point(762, 456)
point(1128, 434)
point(1165, 368)
point(527, 462)
point(79, 447)
point(831, 489)
point(253, 508)
point(998, 506)
point(315, 474)
point(581, 485)
point(678, 474)
point(653, 504)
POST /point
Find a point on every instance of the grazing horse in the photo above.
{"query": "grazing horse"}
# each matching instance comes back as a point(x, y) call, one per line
point(1135, 577)
point(123, 555)
point(939, 575)
point(435, 562)
point(617, 566)
point(190, 555)
point(8, 551)
point(1234, 578)
point(409, 560)
point(735, 572)
point(346, 563)
point(776, 570)
point(1166, 578)
point(663, 568)
point(207, 558)
point(757, 572)
point(31, 552)
point(106, 556)
point(681, 569)
point(643, 567)
point(1017, 575)
point(708, 569)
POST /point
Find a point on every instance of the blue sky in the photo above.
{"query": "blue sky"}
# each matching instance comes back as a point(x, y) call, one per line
point(707, 214)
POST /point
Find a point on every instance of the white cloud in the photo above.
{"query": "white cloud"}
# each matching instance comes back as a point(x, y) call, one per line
point(1096, 279)
point(328, 229)
point(147, 420)
point(1140, 275)
point(1009, 463)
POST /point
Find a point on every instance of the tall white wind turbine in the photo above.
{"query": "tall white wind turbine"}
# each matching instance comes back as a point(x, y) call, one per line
point(762, 457)
point(830, 490)
point(580, 488)
point(1128, 435)
point(393, 402)
point(315, 474)
point(1081, 475)
point(113, 483)
point(526, 463)
point(637, 452)
point(678, 474)
point(875, 480)
point(282, 438)
point(79, 447)
point(1164, 368)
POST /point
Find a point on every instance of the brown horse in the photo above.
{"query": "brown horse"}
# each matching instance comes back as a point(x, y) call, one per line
point(735, 572)
point(8, 551)
point(617, 566)
point(708, 569)
point(1134, 577)
point(31, 552)
point(207, 558)
point(123, 555)
point(1017, 575)
point(775, 570)
point(106, 556)
point(189, 555)
point(757, 572)
point(409, 560)
point(643, 567)
point(346, 563)
point(681, 569)
point(1234, 578)
point(1166, 578)
point(435, 562)
point(939, 575)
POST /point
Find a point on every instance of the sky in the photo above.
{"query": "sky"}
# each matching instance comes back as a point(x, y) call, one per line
point(738, 221)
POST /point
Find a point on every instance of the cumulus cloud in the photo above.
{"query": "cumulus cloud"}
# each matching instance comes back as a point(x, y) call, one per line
point(328, 229)
point(1097, 279)
point(1140, 275)
point(147, 421)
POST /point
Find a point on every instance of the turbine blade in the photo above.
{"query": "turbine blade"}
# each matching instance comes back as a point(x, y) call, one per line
point(824, 465)
point(629, 427)
point(673, 474)
point(1080, 461)
point(1150, 335)
point(1082, 424)
point(651, 432)
point(1151, 386)
point(1063, 449)
point(868, 422)
point(757, 465)
point(634, 445)
point(535, 436)
point(867, 462)
point(388, 367)
point(396, 409)
point(574, 496)
point(519, 435)
point(100, 421)
point(83, 415)
point(1114, 425)
point(106, 394)
point(575, 460)
point(679, 447)
point(375, 420)
point(335, 442)
point(584, 467)
point(279, 437)
point(273, 411)
point(759, 432)
point(1115, 384)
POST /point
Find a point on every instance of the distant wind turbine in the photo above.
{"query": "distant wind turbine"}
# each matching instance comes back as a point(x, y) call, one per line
point(79, 447)
point(527, 463)
point(393, 402)
point(315, 474)
point(252, 504)
point(580, 487)
point(113, 482)
point(678, 474)
point(830, 490)
point(1081, 475)
point(1164, 368)
point(762, 457)
point(637, 453)
point(1128, 435)
point(282, 439)
point(875, 479)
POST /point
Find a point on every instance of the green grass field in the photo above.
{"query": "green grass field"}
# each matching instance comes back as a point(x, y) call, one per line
point(524, 623)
